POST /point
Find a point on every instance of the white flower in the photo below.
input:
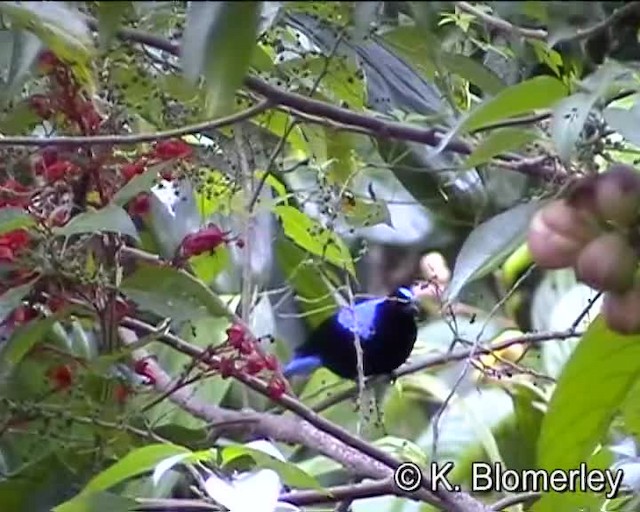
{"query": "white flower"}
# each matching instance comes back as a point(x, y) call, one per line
point(254, 491)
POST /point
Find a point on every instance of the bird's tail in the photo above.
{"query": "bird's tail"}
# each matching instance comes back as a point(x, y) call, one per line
point(303, 365)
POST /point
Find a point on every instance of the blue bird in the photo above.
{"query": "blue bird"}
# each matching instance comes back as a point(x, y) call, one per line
point(386, 328)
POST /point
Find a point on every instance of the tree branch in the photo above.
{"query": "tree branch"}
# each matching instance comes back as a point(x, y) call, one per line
point(542, 34)
point(113, 140)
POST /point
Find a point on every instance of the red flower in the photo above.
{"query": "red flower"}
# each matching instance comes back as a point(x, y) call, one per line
point(140, 204)
point(132, 169)
point(207, 239)
point(255, 364)
point(13, 242)
point(21, 315)
point(271, 362)
point(236, 335)
point(47, 61)
point(14, 193)
point(142, 368)
point(276, 388)
point(61, 377)
point(90, 119)
point(173, 148)
point(227, 368)
point(58, 170)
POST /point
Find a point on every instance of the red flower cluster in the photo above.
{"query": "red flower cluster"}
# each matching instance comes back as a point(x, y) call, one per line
point(12, 243)
point(61, 377)
point(132, 169)
point(140, 204)
point(142, 368)
point(208, 239)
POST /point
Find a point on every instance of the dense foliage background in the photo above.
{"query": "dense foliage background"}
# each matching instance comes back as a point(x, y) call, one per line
point(187, 190)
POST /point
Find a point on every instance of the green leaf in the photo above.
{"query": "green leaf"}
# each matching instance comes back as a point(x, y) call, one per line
point(499, 141)
point(315, 295)
point(24, 51)
point(110, 16)
point(315, 239)
point(61, 28)
point(14, 218)
point(12, 298)
point(206, 48)
point(290, 474)
point(206, 266)
point(136, 463)
point(568, 119)
point(536, 93)
point(596, 380)
point(22, 340)
point(489, 245)
point(472, 71)
point(98, 502)
point(625, 122)
point(110, 219)
point(172, 293)
point(138, 184)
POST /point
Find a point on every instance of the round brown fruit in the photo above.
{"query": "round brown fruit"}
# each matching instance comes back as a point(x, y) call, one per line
point(622, 312)
point(571, 222)
point(607, 263)
point(618, 195)
point(549, 249)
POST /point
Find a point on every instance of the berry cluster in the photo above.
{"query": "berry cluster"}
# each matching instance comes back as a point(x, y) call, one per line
point(592, 231)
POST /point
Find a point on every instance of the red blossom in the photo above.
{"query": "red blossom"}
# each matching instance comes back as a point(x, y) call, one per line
point(47, 61)
point(167, 174)
point(58, 170)
point(276, 388)
point(14, 193)
point(13, 242)
point(170, 149)
point(205, 240)
point(61, 377)
point(22, 315)
point(271, 362)
point(140, 204)
point(227, 367)
point(132, 169)
point(143, 368)
point(236, 335)
point(254, 364)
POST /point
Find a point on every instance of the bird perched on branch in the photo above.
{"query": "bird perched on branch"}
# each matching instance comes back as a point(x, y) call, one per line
point(386, 328)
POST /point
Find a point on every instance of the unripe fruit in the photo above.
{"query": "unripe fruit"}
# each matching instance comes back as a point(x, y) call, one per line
point(622, 312)
point(618, 195)
point(549, 249)
point(608, 263)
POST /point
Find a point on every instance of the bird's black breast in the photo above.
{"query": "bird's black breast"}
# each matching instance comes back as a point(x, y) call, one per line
point(388, 344)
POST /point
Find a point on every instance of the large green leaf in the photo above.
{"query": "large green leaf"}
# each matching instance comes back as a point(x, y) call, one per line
point(311, 236)
point(218, 44)
point(499, 141)
point(22, 340)
point(61, 27)
point(472, 71)
point(110, 219)
point(290, 474)
point(489, 245)
point(171, 293)
point(600, 374)
point(12, 298)
point(136, 463)
point(24, 51)
point(14, 218)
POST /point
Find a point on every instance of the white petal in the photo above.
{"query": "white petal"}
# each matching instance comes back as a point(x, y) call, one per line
point(266, 447)
point(223, 492)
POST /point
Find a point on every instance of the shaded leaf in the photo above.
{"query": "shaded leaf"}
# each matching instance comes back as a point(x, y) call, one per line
point(14, 218)
point(110, 16)
point(472, 71)
point(312, 237)
point(568, 120)
point(24, 51)
point(205, 48)
point(499, 141)
point(489, 245)
point(12, 298)
point(110, 219)
point(625, 122)
point(22, 340)
point(98, 502)
point(62, 29)
point(290, 474)
point(172, 293)
point(595, 381)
